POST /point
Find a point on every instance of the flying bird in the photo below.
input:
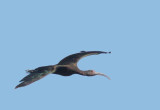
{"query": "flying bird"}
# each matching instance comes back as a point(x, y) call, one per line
point(66, 67)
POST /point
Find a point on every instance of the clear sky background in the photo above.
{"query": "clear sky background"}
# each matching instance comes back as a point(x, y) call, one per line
point(36, 33)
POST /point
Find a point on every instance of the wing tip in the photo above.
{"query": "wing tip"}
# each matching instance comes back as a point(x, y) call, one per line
point(21, 85)
point(99, 52)
point(107, 52)
point(96, 52)
point(17, 87)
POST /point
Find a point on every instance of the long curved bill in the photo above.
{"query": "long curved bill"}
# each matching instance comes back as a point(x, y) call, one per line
point(97, 73)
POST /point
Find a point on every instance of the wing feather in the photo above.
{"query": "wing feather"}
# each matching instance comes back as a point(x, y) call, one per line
point(74, 58)
point(36, 75)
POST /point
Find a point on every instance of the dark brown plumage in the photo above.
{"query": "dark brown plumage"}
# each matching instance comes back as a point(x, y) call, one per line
point(65, 67)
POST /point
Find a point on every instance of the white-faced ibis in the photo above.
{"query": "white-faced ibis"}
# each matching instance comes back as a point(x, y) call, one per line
point(65, 67)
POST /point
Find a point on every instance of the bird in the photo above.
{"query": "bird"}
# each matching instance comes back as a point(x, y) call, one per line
point(66, 67)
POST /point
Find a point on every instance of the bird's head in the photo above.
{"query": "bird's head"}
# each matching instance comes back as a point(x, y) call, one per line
point(93, 73)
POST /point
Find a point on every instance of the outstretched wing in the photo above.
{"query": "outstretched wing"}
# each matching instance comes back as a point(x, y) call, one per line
point(35, 75)
point(74, 58)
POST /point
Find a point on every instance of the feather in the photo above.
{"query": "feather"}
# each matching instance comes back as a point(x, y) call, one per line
point(36, 75)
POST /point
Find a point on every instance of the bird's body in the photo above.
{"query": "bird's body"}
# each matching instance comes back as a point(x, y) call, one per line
point(65, 71)
point(66, 67)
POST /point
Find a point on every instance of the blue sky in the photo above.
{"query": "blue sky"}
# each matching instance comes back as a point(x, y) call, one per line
point(37, 33)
